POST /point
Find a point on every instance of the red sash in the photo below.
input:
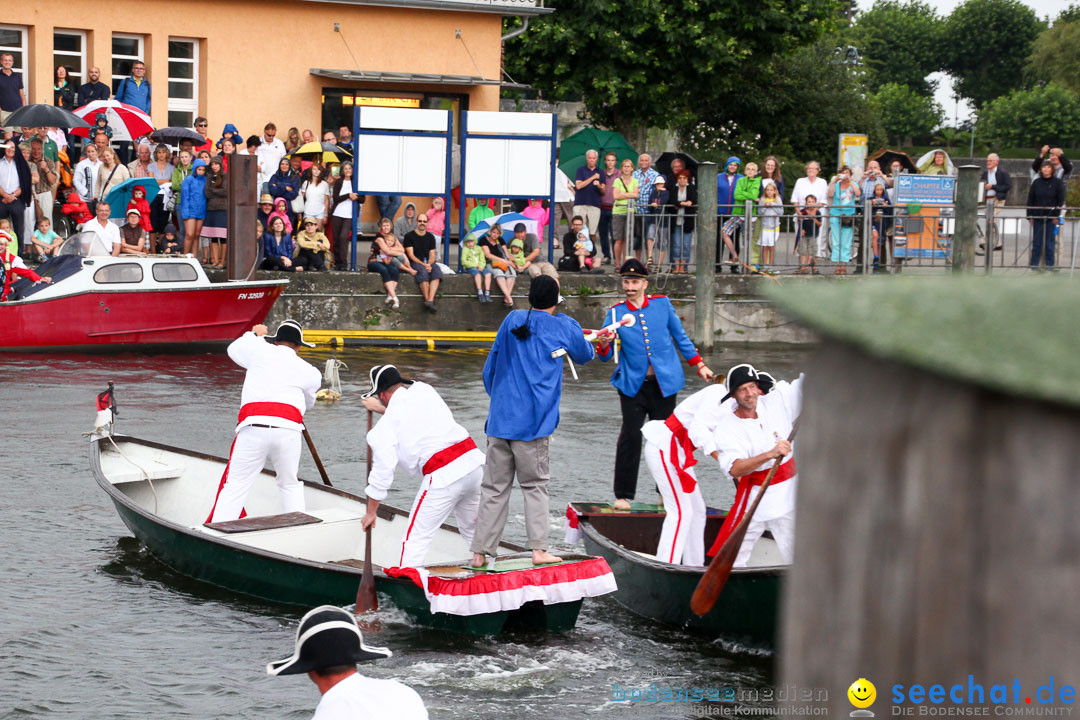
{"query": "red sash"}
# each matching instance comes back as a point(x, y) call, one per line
point(448, 455)
point(285, 411)
point(742, 498)
point(681, 440)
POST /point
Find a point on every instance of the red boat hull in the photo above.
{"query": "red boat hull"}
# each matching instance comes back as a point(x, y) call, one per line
point(172, 319)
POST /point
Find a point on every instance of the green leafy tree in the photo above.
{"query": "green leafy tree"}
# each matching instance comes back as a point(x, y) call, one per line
point(900, 42)
point(646, 63)
point(1055, 56)
point(1069, 14)
point(987, 43)
point(906, 113)
point(1043, 115)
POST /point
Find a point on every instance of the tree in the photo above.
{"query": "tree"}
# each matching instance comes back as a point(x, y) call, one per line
point(1069, 14)
point(900, 43)
point(1055, 56)
point(987, 43)
point(906, 113)
point(645, 63)
point(1043, 115)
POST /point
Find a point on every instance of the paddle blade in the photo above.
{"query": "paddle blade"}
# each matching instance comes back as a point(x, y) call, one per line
point(716, 576)
point(366, 598)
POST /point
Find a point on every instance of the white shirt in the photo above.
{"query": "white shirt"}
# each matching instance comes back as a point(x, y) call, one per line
point(58, 137)
point(991, 178)
point(699, 414)
point(109, 234)
point(562, 192)
point(345, 207)
point(9, 175)
point(416, 425)
point(275, 373)
point(315, 198)
point(85, 176)
point(819, 188)
point(358, 697)
point(270, 154)
point(741, 438)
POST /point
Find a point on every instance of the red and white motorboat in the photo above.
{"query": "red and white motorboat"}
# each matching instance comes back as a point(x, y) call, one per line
point(97, 302)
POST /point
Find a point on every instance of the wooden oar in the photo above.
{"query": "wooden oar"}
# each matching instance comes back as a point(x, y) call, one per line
point(316, 458)
point(366, 598)
point(715, 578)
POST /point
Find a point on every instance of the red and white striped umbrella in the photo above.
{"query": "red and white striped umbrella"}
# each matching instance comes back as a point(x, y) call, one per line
point(128, 122)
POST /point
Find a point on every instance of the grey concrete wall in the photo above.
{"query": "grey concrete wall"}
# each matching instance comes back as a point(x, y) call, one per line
point(354, 301)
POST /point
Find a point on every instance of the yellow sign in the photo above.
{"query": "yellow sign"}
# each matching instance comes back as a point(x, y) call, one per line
point(396, 102)
point(852, 152)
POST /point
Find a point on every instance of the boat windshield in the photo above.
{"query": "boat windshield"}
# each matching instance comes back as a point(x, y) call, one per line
point(85, 244)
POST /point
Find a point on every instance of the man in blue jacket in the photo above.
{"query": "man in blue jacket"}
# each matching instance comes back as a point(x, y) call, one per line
point(725, 199)
point(523, 376)
point(134, 91)
point(649, 375)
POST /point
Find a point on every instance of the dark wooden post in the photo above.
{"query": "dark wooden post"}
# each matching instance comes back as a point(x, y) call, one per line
point(705, 259)
point(967, 219)
point(938, 502)
point(243, 185)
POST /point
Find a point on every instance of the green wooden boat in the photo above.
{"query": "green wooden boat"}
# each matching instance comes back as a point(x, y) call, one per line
point(164, 494)
point(745, 612)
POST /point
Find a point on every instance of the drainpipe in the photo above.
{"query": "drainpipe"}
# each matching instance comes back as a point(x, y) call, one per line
point(514, 33)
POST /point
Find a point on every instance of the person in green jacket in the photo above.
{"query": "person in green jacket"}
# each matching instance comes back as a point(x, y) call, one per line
point(482, 211)
point(182, 170)
point(474, 262)
point(747, 188)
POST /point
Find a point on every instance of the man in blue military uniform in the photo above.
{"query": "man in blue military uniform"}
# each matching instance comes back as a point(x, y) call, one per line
point(649, 375)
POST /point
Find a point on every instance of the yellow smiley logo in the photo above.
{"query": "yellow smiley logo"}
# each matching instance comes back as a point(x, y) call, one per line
point(862, 693)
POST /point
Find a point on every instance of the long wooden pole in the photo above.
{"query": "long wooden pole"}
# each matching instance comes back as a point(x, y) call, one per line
point(316, 458)
point(715, 578)
point(366, 599)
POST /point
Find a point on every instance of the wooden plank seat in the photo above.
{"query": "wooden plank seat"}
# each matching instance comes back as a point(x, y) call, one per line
point(265, 522)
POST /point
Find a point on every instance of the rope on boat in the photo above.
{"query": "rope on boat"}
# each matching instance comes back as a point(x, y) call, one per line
point(140, 467)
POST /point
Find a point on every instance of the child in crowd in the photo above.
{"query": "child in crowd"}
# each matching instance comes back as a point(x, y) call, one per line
point(170, 244)
point(13, 244)
point(536, 211)
point(46, 242)
point(132, 236)
point(101, 125)
point(809, 231)
point(517, 252)
point(881, 214)
point(772, 207)
point(436, 220)
point(748, 187)
point(474, 262)
point(583, 249)
point(138, 202)
point(77, 209)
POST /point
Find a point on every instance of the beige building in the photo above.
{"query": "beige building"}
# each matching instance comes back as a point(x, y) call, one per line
point(302, 63)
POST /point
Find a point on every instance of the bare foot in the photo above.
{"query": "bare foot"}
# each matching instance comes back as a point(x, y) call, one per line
point(543, 557)
point(479, 560)
point(621, 504)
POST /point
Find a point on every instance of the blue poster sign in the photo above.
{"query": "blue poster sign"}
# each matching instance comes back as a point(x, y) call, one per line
point(925, 189)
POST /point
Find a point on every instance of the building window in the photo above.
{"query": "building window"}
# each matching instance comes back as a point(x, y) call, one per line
point(183, 81)
point(69, 50)
point(13, 40)
point(126, 49)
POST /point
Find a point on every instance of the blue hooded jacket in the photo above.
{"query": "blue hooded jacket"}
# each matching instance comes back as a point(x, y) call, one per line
point(725, 191)
point(237, 140)
point(193, 194)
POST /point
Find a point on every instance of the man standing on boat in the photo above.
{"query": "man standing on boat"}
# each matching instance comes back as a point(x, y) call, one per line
point(328, 646)
point(649, 375)
point(523, 376)
point(749, 439)
point(279, 388)
point(418, 432)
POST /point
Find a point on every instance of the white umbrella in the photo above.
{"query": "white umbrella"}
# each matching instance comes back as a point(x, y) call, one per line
point(128, 123)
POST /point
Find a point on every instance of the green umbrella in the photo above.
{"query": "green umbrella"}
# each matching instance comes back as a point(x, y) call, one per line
point(572, 149)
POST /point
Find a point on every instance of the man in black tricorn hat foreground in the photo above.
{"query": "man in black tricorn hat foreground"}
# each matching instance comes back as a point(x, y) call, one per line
point(328, 646)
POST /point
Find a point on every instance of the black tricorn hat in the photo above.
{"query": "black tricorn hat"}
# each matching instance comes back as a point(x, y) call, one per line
point(765, 381)
point(290, 331)
point(327, 636)
point(384, 377)
point(634, 268)
point(738, 376)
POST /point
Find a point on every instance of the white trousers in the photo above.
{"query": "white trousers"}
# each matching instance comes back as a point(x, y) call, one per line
point(253, 447)
point(433, 506)
point(783, 531)
point(682, 539)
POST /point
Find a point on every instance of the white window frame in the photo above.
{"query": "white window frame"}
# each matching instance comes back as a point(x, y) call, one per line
point(188, 105)
point(81, 34)
point(22, 30)
point(114, 81)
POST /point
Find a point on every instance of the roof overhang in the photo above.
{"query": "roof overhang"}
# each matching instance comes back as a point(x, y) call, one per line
point(500, 7)
point(373, 76)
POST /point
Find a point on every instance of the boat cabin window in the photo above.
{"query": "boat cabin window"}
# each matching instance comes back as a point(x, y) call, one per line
point(119, 273)
point(174, 272)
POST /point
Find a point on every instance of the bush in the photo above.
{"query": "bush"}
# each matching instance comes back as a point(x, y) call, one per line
point(1043, 115)
point(905, 113)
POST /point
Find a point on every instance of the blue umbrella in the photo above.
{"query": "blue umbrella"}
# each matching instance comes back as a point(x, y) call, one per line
point(507, 221)
point(119, 197)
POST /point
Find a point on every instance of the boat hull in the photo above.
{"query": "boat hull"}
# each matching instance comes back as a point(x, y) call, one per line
point(746, 610)
point(292, 581)
point(189, 318)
